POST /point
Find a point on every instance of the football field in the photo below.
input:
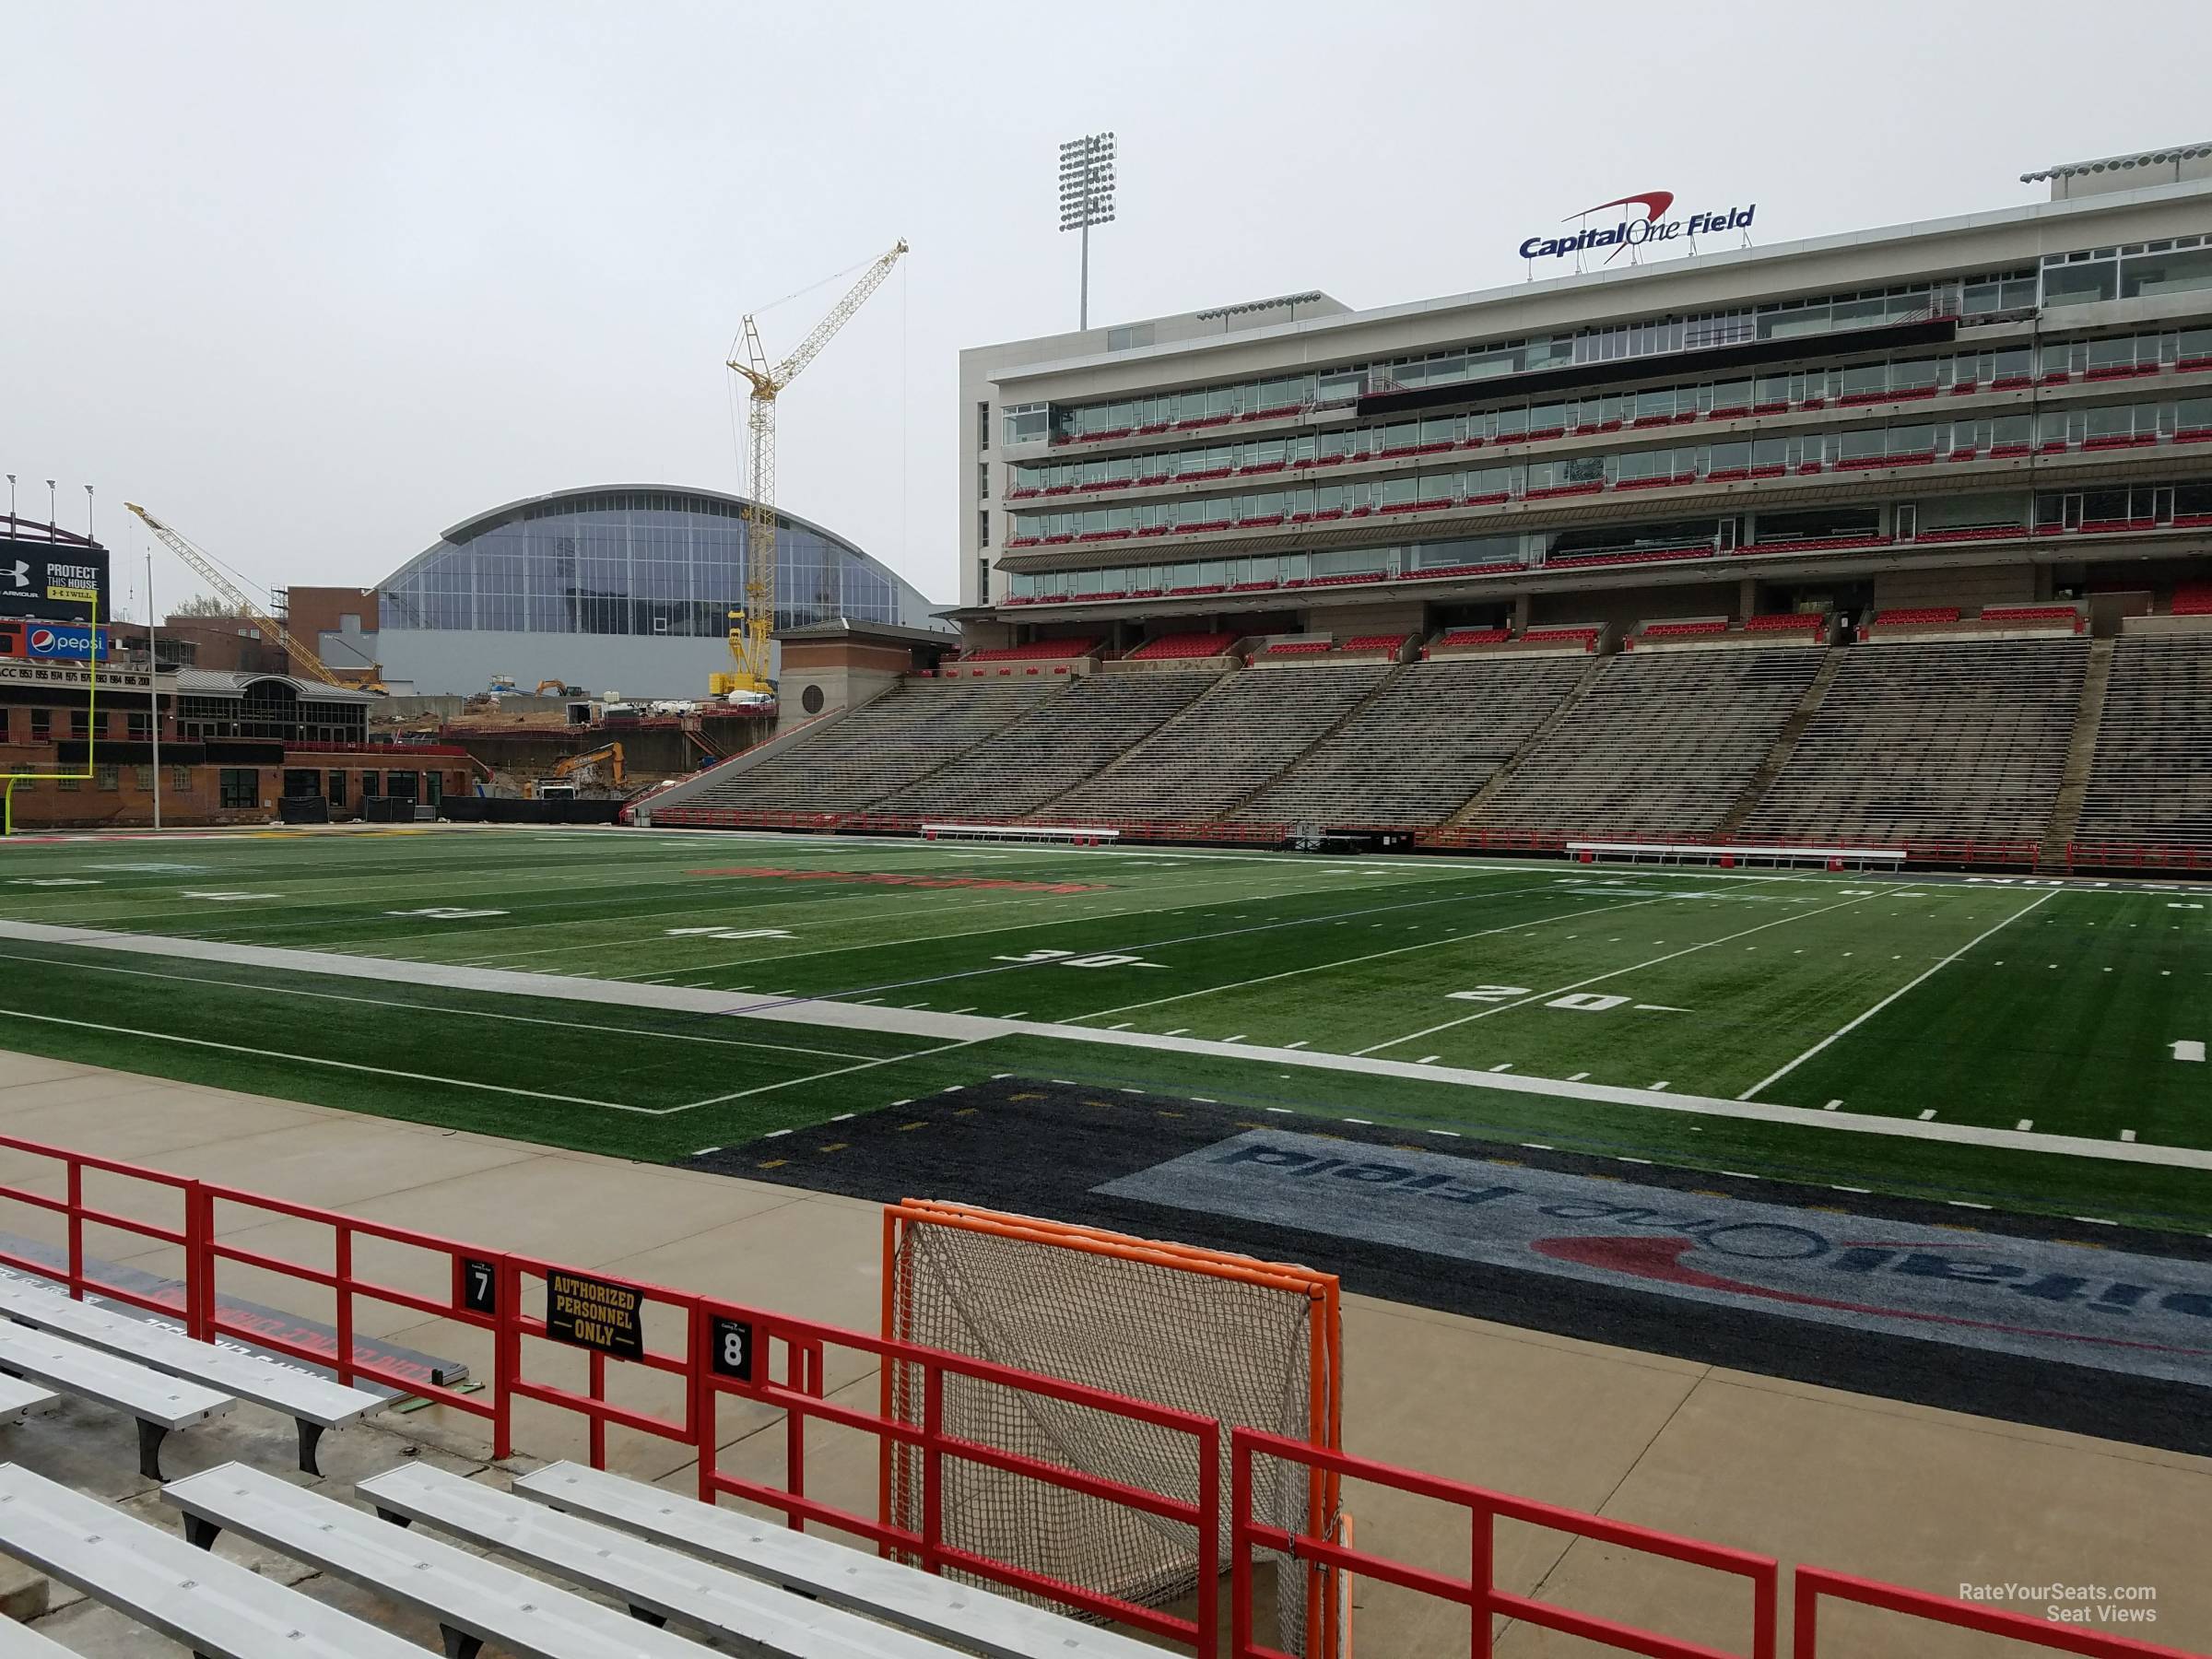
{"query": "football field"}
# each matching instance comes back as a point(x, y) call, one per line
point(2025, 1046)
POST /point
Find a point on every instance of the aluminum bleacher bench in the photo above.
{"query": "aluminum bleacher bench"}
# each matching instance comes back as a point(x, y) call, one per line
point(474, 1601)
point(17, 1397)
point(658, 1585)
point(21, 1641)
point(159, 1402)
point(214, 1607)
point(834, 1574)
point(311, 1402)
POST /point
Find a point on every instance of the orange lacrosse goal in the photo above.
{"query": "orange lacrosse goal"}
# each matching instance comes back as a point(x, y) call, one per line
point(1249, 1343)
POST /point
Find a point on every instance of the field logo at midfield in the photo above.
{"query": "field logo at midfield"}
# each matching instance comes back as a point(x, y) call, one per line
point(2041, 1299)
point(899, 878)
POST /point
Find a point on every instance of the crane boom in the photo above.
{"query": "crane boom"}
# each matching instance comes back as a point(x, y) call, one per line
point(749, 638)
point(205, 568)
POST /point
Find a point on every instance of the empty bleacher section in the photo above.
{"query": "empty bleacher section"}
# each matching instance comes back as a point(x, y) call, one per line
point(1228, 743)
point(1662, 744)
point(2150, 784)
point(1182, 645)
point(1933, 741)
point(850, 762)
point(1420, 749)
point(1054, 747)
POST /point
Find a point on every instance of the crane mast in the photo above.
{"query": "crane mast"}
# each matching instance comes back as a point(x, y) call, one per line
point(752, 626)
point(205, 568)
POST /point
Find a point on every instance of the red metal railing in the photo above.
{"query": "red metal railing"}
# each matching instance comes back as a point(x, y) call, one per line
point(1813, 1583)
point(1478, 1589)
point(486, 1290)
point(2131, 855)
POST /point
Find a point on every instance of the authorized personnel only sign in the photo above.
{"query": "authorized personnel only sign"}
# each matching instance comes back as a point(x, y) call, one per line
point(595, 1313)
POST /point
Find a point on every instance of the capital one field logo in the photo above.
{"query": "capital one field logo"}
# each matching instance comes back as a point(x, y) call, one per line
point(1646, 224)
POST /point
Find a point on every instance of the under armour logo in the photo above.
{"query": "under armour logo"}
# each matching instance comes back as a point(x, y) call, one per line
point(18, 574)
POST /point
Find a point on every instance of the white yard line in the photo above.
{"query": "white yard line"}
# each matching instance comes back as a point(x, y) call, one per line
point(819, 1077)
point(1912, 984)
point(955, 1027)
point(1788, 920)
point(379, 1071)
point(435, 1008)
point(1372, 955)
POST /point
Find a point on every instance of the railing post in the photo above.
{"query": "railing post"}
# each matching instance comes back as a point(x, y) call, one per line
point(933, 1467)
point(76, 1235)
point(1766, 1615)
point(199, 1262)
point(796, 1371)
point(703, 1401)
point(1209, 1540)
point(1805, 1638)
point(596, 1370)
point(1480, 1581)
point(342, 1270)
point(1240, 1546)
point(506, 1355)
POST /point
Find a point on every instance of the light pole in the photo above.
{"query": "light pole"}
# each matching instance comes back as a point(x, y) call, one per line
point(52, 517)
point(153, 692)
point(87, 512)
point(11, 498)
point(1086, 199)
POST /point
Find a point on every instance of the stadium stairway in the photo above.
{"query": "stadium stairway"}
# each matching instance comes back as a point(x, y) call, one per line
point(1531, 744)
point(2081, 760)
point(1786, 745)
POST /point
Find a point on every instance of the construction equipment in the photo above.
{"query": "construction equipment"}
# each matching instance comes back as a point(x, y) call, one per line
point(205, 568)
point(582, 770)
point(751, 627)
point(557, 687)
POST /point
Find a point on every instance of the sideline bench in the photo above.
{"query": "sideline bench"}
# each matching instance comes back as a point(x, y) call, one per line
point(473, 1600)
point(658, 1585)
point(941, 1608)
point(159, 1403)
point(214, 1607)
point(21, 1641)
point(312, 1402)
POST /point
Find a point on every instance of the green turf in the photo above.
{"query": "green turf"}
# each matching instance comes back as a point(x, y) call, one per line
point(1987, 1004)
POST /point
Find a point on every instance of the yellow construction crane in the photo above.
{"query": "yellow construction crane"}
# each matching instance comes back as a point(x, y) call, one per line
point(207, 573)
point(750, 627)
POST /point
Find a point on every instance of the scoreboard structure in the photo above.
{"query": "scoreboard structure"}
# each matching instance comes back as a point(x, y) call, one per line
point(49, 575)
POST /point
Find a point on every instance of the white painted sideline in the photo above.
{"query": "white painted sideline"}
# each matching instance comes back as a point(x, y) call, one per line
point(917, 1022)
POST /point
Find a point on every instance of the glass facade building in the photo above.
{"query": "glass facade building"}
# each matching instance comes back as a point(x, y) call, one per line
point(632, 561)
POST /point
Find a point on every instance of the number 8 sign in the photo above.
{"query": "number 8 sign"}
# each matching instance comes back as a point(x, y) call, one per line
point(733, 1348)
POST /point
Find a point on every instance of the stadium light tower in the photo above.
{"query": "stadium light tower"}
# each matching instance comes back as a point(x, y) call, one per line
point(1086, 199)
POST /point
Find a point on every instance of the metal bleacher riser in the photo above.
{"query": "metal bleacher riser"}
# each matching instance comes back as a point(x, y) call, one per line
point(1421, 749)
point(881, 747)
point(1053, 745)
point(1964, 739)
point(1662, 743)
point(1233, 740)
point(2151, 779)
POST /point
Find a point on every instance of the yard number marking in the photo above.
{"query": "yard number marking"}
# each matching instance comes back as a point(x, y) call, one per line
point(1068, 959)
point(446, 912)
point(1490, 994)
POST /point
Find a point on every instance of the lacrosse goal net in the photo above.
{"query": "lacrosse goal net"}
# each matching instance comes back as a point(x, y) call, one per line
point(1248, 1343)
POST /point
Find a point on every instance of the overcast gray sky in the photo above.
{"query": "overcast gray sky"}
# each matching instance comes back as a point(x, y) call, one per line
point(317, 280)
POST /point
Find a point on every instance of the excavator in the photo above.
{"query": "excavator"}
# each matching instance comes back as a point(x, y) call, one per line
point(587, 769)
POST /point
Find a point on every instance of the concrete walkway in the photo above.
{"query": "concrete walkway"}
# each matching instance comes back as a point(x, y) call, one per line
point(1919, 1496)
